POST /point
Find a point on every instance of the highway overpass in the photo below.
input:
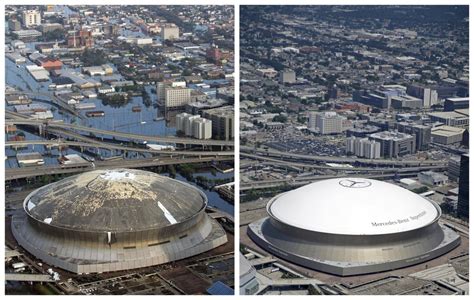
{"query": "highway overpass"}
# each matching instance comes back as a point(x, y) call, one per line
point(337, 159)
point(300, 181)
point(130, 136)
point(109, 146)
point(28, 277)
point(294, 163)
point(27, 172)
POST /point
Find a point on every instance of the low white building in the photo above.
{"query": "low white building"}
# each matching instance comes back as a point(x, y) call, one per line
point(432, 178)
point(105, 89)
point(29, 159)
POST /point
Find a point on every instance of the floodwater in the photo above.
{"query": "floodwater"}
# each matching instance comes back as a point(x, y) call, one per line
point(148, 121)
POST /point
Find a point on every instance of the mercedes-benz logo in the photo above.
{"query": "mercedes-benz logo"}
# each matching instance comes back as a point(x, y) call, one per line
point(351, 183)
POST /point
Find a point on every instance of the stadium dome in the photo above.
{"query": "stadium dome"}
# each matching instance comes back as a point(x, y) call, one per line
point(349, 226)
point(110, 220)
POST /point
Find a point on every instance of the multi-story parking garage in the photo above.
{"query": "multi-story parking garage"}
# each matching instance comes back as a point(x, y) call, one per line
point(349, 226)
point(110, 220)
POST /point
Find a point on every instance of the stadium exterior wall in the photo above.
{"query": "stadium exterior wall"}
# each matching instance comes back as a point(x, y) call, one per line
point(355, 248)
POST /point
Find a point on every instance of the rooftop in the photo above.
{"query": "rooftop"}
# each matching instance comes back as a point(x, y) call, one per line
point(115, 200)
point(353, 206)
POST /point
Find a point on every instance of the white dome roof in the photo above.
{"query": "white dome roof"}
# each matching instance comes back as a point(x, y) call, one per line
point(353, 206)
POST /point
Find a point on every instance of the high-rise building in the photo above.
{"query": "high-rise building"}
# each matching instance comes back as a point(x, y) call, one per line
point(31, 18)
point(454, 168)
point(312, 119)
point(463, 196)
point(222, 122)
point(451, 104)
point(14, 25)
point(394, 144)
point(326, 122)
point(214, 54)
point(81, 38)
point(188, 125)
point(287, 76)
point(422, 134)
point(177, 96)
point(169, 32)
point(429, 96)
point(181, 120)
point(202, 128)
point(372, 98)
point(406, 101)
point(194, 125)
point(363, 147)
point(173, 94)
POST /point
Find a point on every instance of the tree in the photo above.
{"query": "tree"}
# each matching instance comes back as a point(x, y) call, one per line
point(93, 57)
point(54, 35)
point(280, 118)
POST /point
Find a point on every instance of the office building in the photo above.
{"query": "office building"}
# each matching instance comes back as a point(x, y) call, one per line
point(14, 25)
point(454, 168)
point(463, 196)
point(81, 38)
point(362, 131)
point(363, 147)
point(177, 97)
point(173, 94)
point(447, 135)
point(451, 104)
point(222, 122)
point(394, 144)
point(326, 122)
point(406, 101)
point(31, 18)
point(169, 32)
point(194, 125)
point(457, 118)
point(202, 128)
point(428, 96)
point(422, 134)
point(287, 76)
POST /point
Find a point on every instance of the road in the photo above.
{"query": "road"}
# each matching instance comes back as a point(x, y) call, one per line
point(18, 173)
point(28, 277)
point(299, 181)
point(105, 145)
point(441, 166)
point(331, 159)
point(131, 136)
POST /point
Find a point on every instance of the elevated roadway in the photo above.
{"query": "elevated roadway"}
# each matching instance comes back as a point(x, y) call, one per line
point(332, 159)
point(130, 136)
point(27, 172)
point(105, 145)
point(300, 181)
point(28, 277)
point(291, 163)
